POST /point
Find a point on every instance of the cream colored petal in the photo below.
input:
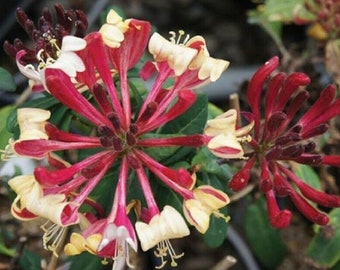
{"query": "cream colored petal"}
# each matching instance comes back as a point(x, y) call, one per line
point(222, 124)
point(210, 197)
point(113, 17)
point(92, 242)
point(168, 225)
point(76, 245)
point(22, 184)
point(30, 72)
point(49, 206)
point(220, 141)
point(72, 43)
point(71, 250)
point(197, 214)
point(112, 35)
point(212, 69)
point(180, 58)
point(70, 63)
point(146, 236)
point(32, 123)
point(173, 223)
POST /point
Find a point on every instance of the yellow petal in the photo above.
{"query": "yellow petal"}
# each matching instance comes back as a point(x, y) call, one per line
point(197, 214)
point(210, 197)
point(32, 123)
point(112, 35)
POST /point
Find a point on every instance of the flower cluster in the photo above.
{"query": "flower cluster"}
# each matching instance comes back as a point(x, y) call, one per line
point(279, 139)
point(325, 13)
point(119, 137)
point(120, 141)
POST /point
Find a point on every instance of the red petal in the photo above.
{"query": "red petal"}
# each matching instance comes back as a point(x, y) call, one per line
point(133, 46)
point(61, 87)
point(278, 218)
point(40, 148)
point(255, 89)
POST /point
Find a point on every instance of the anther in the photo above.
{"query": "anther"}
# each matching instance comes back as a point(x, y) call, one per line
point(105, 131)
point(130, 139)
point(117, 143)
point(309, 147)
point(134, 128)
point(149, 111)
point(91, 171)
point(106, 141)
point(292, 151)
point(114, 118)
point(275, 121)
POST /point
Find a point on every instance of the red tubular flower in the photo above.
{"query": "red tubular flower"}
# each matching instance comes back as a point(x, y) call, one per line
point(281, 137)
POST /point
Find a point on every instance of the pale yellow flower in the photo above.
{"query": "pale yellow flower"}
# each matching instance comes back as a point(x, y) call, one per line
point(207, 200)
point(113, 30)
point(169, 224)
point(79, 244)
point(192, 54)
point(226, 137)
point(30, 197)
point(32, 123)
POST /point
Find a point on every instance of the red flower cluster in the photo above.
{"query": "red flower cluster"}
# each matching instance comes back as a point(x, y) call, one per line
point(279, 138)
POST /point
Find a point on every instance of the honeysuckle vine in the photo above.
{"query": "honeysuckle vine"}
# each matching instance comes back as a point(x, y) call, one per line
point(130, 141)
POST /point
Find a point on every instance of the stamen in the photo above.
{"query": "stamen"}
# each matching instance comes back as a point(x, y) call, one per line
point(134, 128)
point(149, 111)
point(218, 214)
point(181, 33)
point(53, 236)
point(130, 139)
point(115, 120)
point(105, 131)
point(163, 249)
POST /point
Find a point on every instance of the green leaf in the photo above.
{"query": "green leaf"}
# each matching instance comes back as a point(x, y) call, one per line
point(5, 135)
point(30, 260)
point(213, 111)
point(192, 121)
point(6, 81)
point(85, 261)
point(104, 192)
point(217, 232)
point(207, 162)
point(283, 11)
point(324, 248)
point(265, 241)
point(307, 174)
point(164, 195)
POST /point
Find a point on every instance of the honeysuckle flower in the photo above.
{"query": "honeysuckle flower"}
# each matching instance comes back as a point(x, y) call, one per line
point(55, 44)
point(31, 202)
point(206, 201)
point(113, 30)
point(169, 224)
point(189, 61)
point(66, 60)
point(32, 123)
point(111, 236)
point(225, 138)
point(281, 138)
